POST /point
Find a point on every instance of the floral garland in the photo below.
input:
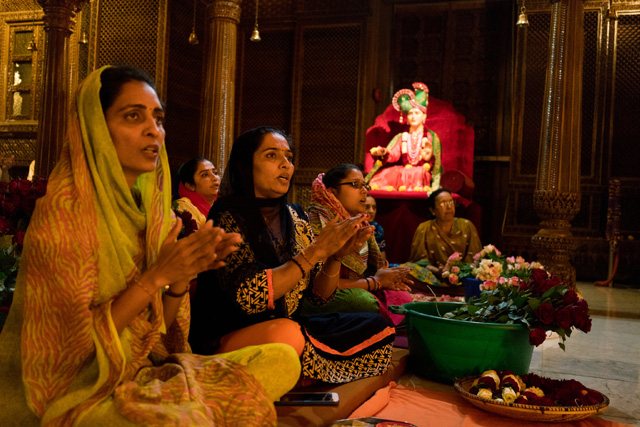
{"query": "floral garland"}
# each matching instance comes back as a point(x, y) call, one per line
point(532, 389)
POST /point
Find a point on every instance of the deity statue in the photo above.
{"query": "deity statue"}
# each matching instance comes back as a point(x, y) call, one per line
point(412, 160)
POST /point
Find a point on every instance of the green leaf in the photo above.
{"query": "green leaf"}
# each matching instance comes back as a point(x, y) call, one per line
point(561, 344)
point(503, 319)
point(534, 303)
point(473, 309)
point(519, 301)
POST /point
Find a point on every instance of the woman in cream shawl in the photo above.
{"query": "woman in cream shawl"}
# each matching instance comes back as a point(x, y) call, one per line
point(97, 331)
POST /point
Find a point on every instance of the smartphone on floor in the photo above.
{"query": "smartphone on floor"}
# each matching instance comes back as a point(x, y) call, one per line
point(308, 399)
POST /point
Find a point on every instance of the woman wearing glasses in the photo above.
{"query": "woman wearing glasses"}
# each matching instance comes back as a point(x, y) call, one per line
point(437, 239)
point(364, 279)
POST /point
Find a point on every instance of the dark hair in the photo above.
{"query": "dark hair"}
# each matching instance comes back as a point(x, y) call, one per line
point(113, 78)
point(238, 174)
point(337, 173)
point(431, 201)
point(188, 169)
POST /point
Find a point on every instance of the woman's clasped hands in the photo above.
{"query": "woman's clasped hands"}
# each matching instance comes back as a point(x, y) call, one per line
point(340, 238)
point(394, 278)
point(182, 259)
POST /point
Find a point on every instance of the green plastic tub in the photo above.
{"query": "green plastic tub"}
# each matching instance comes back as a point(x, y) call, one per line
point(445, 349)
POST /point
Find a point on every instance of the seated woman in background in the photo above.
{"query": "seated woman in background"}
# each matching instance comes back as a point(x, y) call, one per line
point(255, 297)
point(342, 193)
point(371, 208)
point(97, 331)
point(437, 239)
point(198, 188)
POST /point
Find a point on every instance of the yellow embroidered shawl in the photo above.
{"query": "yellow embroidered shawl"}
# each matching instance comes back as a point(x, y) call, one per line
point(87, 241)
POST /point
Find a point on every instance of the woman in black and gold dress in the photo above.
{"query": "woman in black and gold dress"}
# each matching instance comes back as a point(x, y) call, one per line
point(254, 299)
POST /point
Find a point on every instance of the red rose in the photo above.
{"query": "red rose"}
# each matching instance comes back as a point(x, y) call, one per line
point(554, 281)
point(537, 336)
point(18, 238)
point(546, 313)
point(586, 326)
point(7, 207)
point(40, 186)
point(487, 382)
point(523, 286)
point(580, 316)
point(14, 187)
point(570, 297)
point(538, 275)
point(563, 318)
point(24, 186)
point(522, 399)
point(540, 288)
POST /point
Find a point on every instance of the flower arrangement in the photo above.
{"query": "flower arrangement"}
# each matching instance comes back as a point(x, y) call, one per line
point(17, 201)
point(455, 269)
point(543, 303)
point(532, 389)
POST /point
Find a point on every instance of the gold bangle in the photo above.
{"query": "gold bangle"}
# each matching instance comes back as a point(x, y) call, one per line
point(172, 294)
point(301, 253)
point(137, 283)
point(368, 284)
point(329, 275)
point(376, 282)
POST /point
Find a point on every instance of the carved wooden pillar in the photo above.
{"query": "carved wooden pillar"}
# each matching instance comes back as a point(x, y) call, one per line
point(557, 195)
point(216, 135)
point(58, 24)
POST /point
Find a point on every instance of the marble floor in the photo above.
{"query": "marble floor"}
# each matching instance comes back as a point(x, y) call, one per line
point(606, 359)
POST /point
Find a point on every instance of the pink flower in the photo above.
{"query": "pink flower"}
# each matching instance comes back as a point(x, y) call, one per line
point(453, 279)
point(454, 257)
point(519, 259)
point(455, 269)
point(511, 260)
point(489, 285)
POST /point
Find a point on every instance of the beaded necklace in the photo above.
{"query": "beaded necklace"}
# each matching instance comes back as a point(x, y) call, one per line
point(412, 145)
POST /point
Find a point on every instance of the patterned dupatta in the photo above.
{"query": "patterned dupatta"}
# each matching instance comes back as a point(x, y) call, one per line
point(89, 239)
point(324, 207)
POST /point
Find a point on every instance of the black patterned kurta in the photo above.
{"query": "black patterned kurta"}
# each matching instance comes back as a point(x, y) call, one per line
point(239, 295)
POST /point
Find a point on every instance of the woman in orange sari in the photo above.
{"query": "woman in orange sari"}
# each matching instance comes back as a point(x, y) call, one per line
point(97, 331)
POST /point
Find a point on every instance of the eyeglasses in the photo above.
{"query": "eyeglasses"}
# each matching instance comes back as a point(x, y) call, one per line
point(447, 203)
point(357, 184)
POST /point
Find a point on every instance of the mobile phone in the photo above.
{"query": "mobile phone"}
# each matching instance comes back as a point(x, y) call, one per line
point(308, 399)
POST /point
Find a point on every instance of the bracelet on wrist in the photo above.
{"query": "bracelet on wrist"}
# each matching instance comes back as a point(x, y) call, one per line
point(296, 262)
point(376, 283)
point(137, 283)
point(368, 284)
point(301, 253)
point(329, 275)
point(172, 294)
